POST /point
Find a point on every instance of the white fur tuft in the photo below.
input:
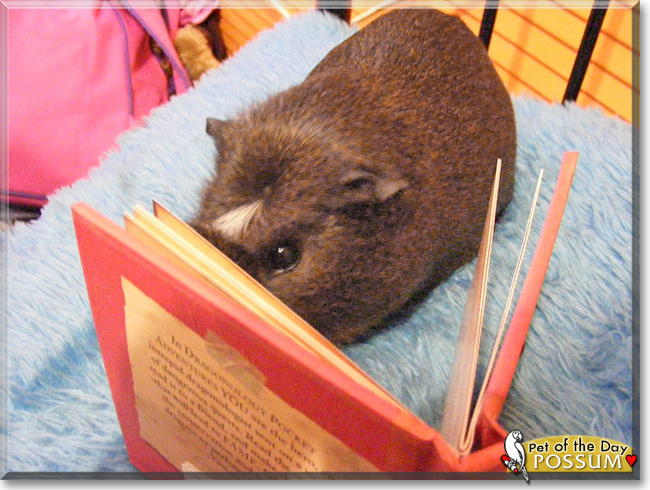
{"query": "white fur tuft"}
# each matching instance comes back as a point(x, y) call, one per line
point(234, 223)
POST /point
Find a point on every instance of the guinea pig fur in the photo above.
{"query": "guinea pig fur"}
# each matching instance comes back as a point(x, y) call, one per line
point(349, 193)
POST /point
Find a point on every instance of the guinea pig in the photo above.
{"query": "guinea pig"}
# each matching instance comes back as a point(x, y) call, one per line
point(351, 192)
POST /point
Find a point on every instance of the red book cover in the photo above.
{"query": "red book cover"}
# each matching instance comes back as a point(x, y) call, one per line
point(344, 413)
point(200, 383)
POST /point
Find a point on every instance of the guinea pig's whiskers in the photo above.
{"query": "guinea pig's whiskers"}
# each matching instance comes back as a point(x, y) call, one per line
point(234, 223)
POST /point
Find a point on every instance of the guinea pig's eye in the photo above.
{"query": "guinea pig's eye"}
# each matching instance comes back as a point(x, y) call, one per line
point(284, 257)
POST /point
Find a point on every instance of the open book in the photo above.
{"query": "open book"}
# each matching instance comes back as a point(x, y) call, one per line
point(210, 372)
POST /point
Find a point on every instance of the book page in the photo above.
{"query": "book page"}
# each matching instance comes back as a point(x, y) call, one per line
point(459, 419)
point(202, 405)
point(456, 411)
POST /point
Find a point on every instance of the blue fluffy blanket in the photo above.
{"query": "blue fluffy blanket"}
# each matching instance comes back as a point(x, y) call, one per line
point(575, 374)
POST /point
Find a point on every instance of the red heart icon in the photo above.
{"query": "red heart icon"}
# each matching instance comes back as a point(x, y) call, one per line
point(631, 459)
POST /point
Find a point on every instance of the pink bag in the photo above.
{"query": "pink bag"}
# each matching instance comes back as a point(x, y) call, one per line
point(77, 78)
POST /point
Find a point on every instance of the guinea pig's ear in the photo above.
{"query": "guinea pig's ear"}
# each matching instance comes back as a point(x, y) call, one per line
point(215, 128)
point(361, 186)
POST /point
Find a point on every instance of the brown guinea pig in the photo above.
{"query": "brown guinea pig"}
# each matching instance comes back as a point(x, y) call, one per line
point(347, 194)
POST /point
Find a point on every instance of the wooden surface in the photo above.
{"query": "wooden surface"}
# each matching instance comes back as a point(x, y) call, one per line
point(533, 48)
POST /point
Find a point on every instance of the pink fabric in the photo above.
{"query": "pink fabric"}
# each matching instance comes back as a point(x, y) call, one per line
point(196, 11)
point(70, 91)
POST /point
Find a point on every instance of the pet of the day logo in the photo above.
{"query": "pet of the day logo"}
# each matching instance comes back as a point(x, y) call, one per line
point(515, 457)
point(568, 454)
